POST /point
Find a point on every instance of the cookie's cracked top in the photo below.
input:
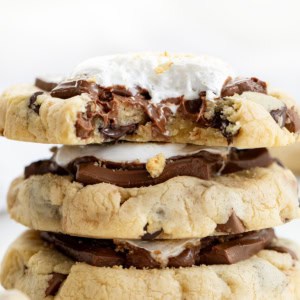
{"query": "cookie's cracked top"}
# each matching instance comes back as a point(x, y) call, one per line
point(150, 97)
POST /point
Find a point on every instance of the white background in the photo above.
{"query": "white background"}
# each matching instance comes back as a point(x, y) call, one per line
point(258, 37)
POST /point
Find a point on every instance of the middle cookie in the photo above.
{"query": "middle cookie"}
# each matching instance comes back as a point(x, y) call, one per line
point(148, 191)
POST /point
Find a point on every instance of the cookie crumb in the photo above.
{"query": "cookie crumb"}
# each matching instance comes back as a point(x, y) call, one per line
point(156, 164)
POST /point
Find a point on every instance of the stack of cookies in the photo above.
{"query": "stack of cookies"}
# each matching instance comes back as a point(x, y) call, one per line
point(162, 189)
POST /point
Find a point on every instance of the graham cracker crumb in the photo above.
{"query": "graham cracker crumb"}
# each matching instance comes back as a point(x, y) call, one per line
point(156, 164)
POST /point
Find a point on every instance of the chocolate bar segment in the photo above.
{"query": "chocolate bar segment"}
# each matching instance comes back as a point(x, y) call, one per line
point(226, 249)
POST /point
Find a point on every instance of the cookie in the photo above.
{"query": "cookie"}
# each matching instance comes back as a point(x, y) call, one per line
point(241, 201)
point(151, 97)
point(36, 269)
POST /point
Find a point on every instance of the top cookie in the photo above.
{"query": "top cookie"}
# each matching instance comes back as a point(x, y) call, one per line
point(150, 97)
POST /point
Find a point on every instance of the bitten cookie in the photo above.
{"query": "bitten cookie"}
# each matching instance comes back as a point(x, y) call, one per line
point(31, 266)
point(247, 200)
point(151, 97)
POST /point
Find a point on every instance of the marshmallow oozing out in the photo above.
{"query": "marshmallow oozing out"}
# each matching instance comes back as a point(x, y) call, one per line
point(162, 75)
point(130, 152)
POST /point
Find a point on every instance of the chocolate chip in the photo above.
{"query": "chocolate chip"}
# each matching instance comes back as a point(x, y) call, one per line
point(292, 120)
point(116, 133)
point(238, 249)
point(241, 85)
point(151, 236)
point(221, 123)
point(98, 253)
point(233, 225)
point(54, 284)
point(70, 89)
point(32, 102)
point(46, 84)
point(279, 115)
point(140, 258)
point(187, 258)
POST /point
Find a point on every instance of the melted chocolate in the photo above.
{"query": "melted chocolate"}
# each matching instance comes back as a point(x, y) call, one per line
point(241, 85)
point(211, 250)
point(194, 166)
point(95, 252)
point(221, 123)
point(203, 165)
point(42, 167)
point(105, 103)
point(32, 102)
point(84, 126)
point(116, 133)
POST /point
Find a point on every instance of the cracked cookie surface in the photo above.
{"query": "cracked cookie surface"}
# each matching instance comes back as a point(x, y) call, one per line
point(259, 198)
point(249, 123)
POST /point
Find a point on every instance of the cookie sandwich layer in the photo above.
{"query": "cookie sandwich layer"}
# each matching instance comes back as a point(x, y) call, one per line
point(132, 191)
point(151, 97)
point(272, 272)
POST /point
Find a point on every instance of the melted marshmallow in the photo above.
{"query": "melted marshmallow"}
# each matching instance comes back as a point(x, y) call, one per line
point(130, 152)
point(163, 75)
point(162, 250)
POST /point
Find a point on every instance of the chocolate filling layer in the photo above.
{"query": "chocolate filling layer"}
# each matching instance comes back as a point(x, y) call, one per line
point(227, 249)
point(107, 102)
point(203, 165)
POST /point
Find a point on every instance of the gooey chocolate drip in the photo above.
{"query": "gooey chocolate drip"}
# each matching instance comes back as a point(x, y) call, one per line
point(227, 249)
point(203, 165)
point(105, 103)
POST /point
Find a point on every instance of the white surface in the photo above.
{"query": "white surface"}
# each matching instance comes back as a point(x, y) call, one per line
point(259, 38)
point(130, 152)
point(163, 75)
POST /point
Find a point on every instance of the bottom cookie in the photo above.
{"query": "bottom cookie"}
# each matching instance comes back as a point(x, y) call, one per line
point(41, 272)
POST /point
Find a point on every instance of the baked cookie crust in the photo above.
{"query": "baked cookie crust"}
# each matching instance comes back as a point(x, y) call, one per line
point(57, 118)
point(259, 197)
